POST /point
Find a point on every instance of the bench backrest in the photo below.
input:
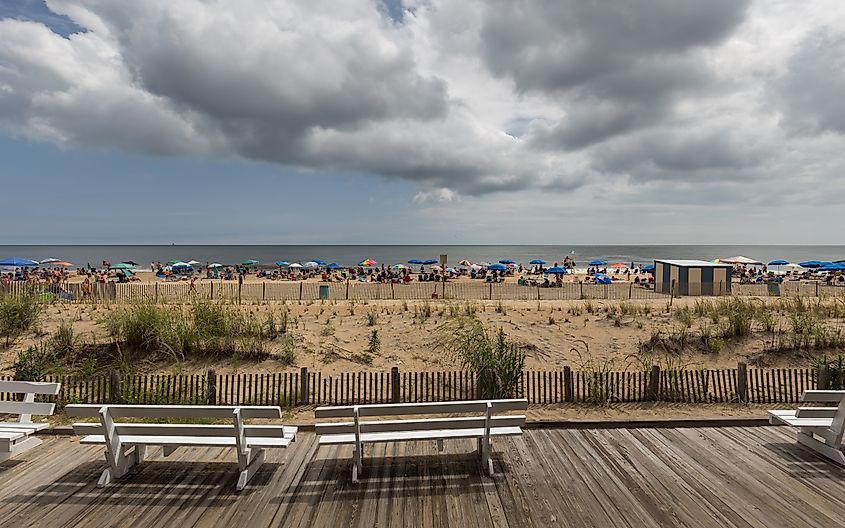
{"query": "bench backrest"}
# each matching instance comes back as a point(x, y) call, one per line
point(185, 412)
point(837, 413)
point(26, 408)
point(483, 419)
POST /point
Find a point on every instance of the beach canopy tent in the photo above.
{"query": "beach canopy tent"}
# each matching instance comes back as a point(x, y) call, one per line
point(556, 270)
point(281, 263)
point(415, 261)
point(601, 278)
point(497, 267)
point(507, 261)
point(249, 262)
point(18, 262)
point(537, 261)
point(839, 261)
point(813, 263)
point(334, 266)
point(598, 263)
point(779, 262)
point(430, 261)
point(121, 266)
point(739, 259)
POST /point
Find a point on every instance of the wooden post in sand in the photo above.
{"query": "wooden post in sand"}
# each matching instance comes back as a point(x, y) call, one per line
point(212, 290)
point(823, 376)
point(567, 383)
point(490, 292)
point(630, 290)
point(211, 387)
point(742, 381)
point(671, 292)
point(300, 290)
point(263, 290)
point(396, 393)
point(114, 387)
point(347, 289)
point(303, 386)
point(653, 383)
point(156, 293)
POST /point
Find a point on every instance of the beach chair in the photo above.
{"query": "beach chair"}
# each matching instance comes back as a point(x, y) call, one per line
point(250, 441)
point(820, 428)
point(16, 436)
point(480, 422)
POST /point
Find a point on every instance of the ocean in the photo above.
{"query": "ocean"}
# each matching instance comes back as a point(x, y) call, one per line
point(351, 255)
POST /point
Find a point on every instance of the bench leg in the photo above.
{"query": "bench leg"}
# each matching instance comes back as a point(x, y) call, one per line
point(168, 450)
point(833, 453)
point(440, 445)
point(249, 470)
point(125, 462)
point(14, 448)
point(357, 464)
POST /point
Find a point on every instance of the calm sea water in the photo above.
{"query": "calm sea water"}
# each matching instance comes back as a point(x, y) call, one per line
point(350, 255)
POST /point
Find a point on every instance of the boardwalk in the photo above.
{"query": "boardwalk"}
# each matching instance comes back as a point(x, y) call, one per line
point(754, 476)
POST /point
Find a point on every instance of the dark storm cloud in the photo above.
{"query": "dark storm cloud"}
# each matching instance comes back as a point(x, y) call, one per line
point(811, 90)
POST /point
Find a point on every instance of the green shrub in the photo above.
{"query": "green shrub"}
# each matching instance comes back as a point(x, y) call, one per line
point(18, 315)
point(374, 345)
point(64, 341)
point(34, 363)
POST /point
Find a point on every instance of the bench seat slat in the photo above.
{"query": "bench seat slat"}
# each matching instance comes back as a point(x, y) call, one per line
point(180, 429)
point(30, 387)
point(822, 396)
point(174, 411)
point(194, 441)
point(24, 426)
point(410, 436)
point(805, 422)
point(419, 425)
point(8, 436)
point(398, 409)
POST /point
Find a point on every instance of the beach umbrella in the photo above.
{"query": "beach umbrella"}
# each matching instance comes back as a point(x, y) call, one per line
point(507, 261)
point(215, 265)
point(415, 261)
point(121, 266)
point(295, 265)
point(832, 266)
point(319, 262)
point(281, 263)
point(618, 265)
point(537, 261)
point(63, 264)
point(397, 267)
point(367, 262)
point(813, 263)
point(430, 261)
point(50, 260)
point(465, 263)
point(497, 267)
point(18, 262)
point(598, 263)
point(181, 265)
point(839, 261)
point(130, 262)
point(556, 270)
point(249, 262)
point(334, 266)
point(436, 268)
point(792, 266)
point(483, 264)
point(310, 264)
point(601, 278)
point(739, 259)
point(778, 263)
point(476, 267)
point(193, 262)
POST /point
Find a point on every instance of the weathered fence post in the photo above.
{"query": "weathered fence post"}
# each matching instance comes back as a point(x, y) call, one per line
point(630, 290)
point(240, 285)
point(303, 386)
point(581, 283)
point(156, 293)
point(393, 292)
point(263, 290)
point(823, 376)
point(114, 386)
point(567, 383)
point(395, 397)
point(817, 288)
point(490, 292)
point(212, 290)
point(211, 387)
point(300, 290)
point(654, 383)
point(347, 289)
point(742, 381)
point(671, 292)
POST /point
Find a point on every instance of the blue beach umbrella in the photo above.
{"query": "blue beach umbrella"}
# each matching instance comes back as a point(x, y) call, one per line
point(813, 263)
point(779, 262)
point(598, 263)
point(18, 262)
point(507, 261)
point(281, 263)
point(556, 270)
point(430, 261)
point(333, 266)
point(832, 266)
point(415, 261)
point(320, 262)
point(497, 267)
point(601, 278)
point(537, 261)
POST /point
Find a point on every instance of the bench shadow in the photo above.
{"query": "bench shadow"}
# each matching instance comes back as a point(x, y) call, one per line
point(803, 462)
point(400, 477)
point(160, 483)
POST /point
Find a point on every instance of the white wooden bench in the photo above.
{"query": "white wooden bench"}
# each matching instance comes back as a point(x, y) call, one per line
point(483, 424)
point(250, 441)
point(16, 436)
point(819, 428)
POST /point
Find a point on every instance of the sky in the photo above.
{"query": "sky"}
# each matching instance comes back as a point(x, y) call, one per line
point(422, 122)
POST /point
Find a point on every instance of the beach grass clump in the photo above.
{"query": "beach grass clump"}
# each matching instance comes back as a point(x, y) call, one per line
point(64, 340)
point(371, 318)
point(18, 315)
point(374, 344)
point(497, 362)
point(34, 363)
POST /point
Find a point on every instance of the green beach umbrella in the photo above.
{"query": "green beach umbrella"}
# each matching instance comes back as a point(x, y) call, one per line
point(249, 262)
point(121, 266)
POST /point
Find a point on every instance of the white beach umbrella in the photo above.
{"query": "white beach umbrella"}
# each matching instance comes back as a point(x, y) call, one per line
point(193, 262)
point(739, 259)
point(792, 266)
point(49, 260)
point(311, 264)
point(295, 265)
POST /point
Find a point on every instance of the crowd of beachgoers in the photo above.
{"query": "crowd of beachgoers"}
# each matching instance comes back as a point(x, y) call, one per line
point(537, 273)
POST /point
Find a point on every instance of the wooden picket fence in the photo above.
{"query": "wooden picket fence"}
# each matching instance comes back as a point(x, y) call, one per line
point(289, 389)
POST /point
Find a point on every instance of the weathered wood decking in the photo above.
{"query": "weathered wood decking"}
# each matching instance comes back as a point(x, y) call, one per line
point(737, 476)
